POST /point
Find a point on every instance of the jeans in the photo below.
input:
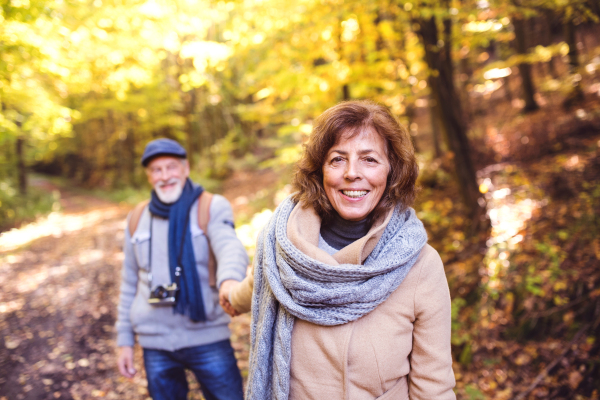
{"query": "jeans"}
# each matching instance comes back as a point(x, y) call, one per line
point(214, 366)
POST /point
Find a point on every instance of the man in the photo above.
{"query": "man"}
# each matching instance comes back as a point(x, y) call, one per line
point(166, 297)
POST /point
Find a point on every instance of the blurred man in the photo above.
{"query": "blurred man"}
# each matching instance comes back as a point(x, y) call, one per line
point(169, 297)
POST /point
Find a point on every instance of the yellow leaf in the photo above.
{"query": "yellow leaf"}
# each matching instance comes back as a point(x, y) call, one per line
point(575, 379)
point(523, 359)
point(596, 246)
point(569, 317)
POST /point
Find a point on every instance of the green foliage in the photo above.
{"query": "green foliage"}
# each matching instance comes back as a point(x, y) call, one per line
point(461, 335)
point(457, 305)
point(16, 208)
point(474, 393)
point(533, 281)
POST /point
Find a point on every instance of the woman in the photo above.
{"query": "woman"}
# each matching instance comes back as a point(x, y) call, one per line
point(348, 300)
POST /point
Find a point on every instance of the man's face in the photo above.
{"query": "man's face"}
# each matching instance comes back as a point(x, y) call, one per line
point(167, 176)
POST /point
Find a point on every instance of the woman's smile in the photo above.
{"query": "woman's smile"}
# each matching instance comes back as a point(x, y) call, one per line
point(355, 194)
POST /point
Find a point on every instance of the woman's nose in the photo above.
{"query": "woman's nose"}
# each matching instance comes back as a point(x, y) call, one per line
point(352, 171)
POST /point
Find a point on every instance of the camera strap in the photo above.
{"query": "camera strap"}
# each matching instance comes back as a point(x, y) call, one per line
point(178, 269)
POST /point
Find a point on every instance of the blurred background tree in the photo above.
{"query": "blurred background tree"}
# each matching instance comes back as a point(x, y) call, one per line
point(84, 85)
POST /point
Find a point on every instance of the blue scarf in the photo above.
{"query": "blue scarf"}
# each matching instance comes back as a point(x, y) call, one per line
point(189, 298)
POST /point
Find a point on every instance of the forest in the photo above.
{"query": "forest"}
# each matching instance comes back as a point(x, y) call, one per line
point(501, 99)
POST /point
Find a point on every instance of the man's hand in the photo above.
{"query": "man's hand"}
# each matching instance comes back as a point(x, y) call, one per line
point(224, 297)
point(125, 361)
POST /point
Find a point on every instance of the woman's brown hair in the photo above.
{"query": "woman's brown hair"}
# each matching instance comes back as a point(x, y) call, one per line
point(351, 118)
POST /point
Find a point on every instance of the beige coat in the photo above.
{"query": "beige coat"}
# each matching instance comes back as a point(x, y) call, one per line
point(400, 350)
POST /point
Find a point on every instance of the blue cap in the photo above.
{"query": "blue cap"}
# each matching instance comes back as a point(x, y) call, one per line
point(162, 147)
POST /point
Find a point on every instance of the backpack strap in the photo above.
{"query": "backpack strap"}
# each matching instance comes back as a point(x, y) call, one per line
point(135, 216)
point(203, 220)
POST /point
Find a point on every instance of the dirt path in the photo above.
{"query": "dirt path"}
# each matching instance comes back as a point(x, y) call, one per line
point(59, 279)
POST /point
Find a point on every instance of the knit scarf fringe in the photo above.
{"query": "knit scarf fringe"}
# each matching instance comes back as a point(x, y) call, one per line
point(289, 285)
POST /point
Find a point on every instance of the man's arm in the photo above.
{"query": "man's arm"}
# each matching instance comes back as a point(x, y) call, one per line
point(230, 254)
point(125, 334)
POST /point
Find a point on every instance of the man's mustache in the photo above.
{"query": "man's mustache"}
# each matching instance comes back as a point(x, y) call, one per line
point(168, 182)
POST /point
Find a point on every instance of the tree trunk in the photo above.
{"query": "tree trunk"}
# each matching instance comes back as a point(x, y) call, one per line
point(466, 71)
point(434, 115)
point(346, 92)
point(340, 50)
point(524, 68)
point(506, 86)
point(101, 151)
point(447, 47)
point(410, 114)
point(216, 134)
point(547, 41)
point(206, 132)
point(189, 100)
point(130, 144)
point(114, 159)
point(576, 94)
point(444, 93)
point(200, 119)
point(21, 171)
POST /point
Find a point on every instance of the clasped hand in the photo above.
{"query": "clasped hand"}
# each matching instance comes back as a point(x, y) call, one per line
point(224, 290)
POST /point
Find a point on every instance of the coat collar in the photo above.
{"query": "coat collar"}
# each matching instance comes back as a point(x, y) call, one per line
point(304, 225)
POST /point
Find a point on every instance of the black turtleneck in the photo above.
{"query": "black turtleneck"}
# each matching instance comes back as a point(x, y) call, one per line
point(339, 233)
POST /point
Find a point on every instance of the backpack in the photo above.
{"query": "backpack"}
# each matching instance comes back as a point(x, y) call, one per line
point(203, 219)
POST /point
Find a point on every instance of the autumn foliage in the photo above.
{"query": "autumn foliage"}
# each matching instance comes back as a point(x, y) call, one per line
point(501, 98)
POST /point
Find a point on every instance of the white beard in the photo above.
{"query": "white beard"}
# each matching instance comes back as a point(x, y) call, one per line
point(169, 197)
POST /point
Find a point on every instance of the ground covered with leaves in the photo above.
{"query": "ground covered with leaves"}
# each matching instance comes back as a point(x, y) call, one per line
point(526, 296)
point(60, 285)
point(526, 292)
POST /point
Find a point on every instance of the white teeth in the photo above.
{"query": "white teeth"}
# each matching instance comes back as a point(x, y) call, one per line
point(355, 193)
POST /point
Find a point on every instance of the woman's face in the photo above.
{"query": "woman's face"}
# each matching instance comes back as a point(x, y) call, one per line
point(355, 174)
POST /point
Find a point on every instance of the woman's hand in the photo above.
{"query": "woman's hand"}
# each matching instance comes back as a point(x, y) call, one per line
point(226, 287)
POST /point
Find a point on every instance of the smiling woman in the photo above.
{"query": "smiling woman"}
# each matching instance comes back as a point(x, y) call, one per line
point(347, 298)
point(376, 149)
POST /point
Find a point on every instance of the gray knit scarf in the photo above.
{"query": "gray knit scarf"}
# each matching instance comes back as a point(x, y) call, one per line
point(289, 285)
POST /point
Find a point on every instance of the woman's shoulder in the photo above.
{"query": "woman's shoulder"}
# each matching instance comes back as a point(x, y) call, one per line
point(431, 283)
point(426, 273)
point(428, 267)
point(429, 258)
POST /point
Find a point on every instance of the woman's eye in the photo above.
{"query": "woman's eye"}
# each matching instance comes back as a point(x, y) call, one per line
point(336, 159)
point(370, 159)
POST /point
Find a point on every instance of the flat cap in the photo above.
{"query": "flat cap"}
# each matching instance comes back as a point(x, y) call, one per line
point(162, 147)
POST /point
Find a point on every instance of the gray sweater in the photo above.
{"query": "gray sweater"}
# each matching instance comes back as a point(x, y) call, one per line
point(158, 327)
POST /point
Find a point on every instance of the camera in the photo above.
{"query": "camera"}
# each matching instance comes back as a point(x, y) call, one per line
point(163, 295)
